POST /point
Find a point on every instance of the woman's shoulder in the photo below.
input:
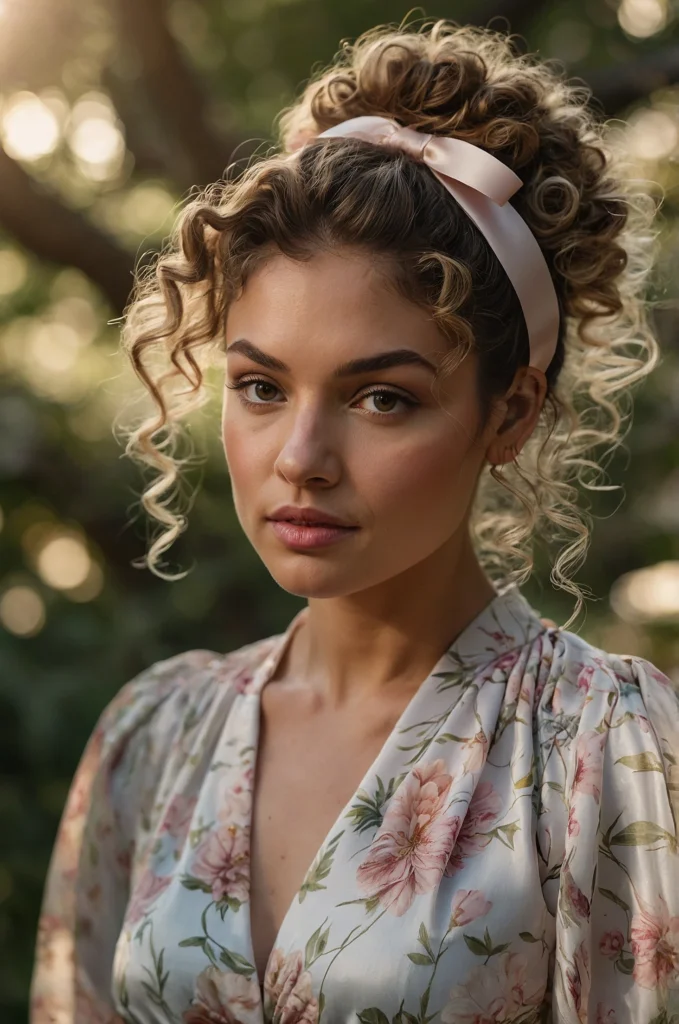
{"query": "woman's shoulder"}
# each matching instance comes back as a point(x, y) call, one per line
point(172, 692)
point(577, 677)
point(606, 721)
point(606, 727)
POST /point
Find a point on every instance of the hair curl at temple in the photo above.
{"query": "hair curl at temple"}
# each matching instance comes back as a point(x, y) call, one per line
point(593, 223)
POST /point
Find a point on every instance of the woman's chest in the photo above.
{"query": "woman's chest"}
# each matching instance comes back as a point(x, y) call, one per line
point(421, 893)
point(308, 768)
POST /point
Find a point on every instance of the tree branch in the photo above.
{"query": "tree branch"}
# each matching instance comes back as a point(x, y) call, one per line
point(197, 156)
point(52, 231)
point(141, 130)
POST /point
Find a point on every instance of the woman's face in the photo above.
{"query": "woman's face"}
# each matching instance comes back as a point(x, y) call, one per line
point(372, 447)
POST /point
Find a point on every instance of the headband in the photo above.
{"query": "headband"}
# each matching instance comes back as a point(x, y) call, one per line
point(481, 184)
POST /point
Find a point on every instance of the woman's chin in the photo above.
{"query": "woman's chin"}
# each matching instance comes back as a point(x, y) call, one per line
point(315, 580)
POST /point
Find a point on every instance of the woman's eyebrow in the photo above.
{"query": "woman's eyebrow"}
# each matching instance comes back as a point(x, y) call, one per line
point(366, 364)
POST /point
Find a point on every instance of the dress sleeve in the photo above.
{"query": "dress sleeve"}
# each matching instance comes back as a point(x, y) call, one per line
point(87, 886)
point(607, 830)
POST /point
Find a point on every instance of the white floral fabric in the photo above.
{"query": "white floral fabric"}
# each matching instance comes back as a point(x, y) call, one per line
point(510, 856)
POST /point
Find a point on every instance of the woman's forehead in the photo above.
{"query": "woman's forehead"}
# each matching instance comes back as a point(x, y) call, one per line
point(335, 306)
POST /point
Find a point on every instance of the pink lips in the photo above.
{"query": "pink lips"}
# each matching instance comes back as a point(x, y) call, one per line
point(303, 538)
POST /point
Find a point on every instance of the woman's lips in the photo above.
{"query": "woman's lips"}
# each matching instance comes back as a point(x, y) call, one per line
point(301, 538)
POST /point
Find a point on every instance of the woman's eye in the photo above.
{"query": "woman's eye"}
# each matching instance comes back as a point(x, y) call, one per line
point(263, 389)
point(384, 396)
point(241, 385)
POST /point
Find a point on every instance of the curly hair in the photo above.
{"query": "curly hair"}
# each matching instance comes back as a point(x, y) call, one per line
point(593, 223)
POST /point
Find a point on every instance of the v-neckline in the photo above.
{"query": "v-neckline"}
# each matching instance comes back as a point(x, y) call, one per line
point(266, 670)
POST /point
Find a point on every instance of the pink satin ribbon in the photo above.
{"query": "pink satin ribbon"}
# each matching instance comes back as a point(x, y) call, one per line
point(481, 184)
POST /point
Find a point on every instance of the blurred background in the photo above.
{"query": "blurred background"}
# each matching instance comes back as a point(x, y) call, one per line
point(110, 112)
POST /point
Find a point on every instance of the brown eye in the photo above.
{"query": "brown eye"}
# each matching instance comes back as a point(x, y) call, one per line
point(243, 383)
point(262, 384)
point(379, 396)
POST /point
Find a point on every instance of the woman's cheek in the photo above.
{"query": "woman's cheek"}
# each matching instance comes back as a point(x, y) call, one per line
point(417, 480)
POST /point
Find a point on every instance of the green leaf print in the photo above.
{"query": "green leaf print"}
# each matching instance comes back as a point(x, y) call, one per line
point(189, 882)
point(422, 959)
point(373, 1015)
point(451, 679)
point(319, 869)
point(195, 940)
point(477, 947)
point(625, 964)
point(641, 833)
point(316, 945)
point(484, 947)
point(646, 762)
point(508, 833)
point(423, 939)
point(368, 811)
point(609, 895)
point(236, 962)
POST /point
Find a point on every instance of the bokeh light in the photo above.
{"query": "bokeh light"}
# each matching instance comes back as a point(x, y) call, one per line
point(652, 134)
point(62, 558)
point(13, 271)
point(647, 595)
point(29, 127)
point(143, 210)
point(95, 137)
point(22, 610)
point(569, 40)
point(642, 18)
point(63, 561)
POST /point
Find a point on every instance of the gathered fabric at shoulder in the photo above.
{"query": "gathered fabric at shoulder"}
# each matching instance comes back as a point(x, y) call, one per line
point(607, 731)
point(123, 793)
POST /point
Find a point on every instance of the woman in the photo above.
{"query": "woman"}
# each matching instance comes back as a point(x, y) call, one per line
point(420, 802)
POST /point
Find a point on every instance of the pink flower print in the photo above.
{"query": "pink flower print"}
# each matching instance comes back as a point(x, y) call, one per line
point(234, 804)
point(413, 843)
point(575, 903)
point(589, 753)
point(222, 861)
point(79, 796)
point(655, 673)
point(573, 823)
point(495, 993)
point(178, 816)
point(578, 981)
point(483, 811)
point(611, 944)
point(468, 905)
point(288, 995)
point(145, 893)
point(584, 680)
point(655, 946)
point(224, 997)
point(477, 748)
point(525, 692)
point(242, 680)
point(503, 665)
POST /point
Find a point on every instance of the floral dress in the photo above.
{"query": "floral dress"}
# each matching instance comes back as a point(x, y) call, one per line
point(509, 856)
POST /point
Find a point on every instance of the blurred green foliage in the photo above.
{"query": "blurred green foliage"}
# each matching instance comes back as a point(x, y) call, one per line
point(110, 112)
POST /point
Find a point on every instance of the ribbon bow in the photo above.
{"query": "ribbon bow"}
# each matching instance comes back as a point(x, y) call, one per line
point(481, 184)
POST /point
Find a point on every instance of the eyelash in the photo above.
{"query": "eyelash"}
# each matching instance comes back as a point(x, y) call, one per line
point(242, 382)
